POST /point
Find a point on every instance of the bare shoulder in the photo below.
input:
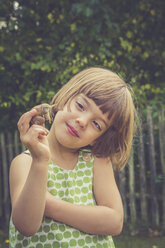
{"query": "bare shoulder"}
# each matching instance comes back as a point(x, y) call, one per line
point(103, 166)
point(20, 167)
point(19, 170)
point(21, 161)
point(103, 174)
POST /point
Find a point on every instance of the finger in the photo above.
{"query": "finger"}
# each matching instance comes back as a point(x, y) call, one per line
point(26, 115)
point(39, 129)
point(34, 134)
point(24, 121)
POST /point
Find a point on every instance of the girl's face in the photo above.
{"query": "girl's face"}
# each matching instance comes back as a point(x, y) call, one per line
point(80, 123)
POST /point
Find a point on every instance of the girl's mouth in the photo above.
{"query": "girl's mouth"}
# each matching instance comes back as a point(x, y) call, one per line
point(72, 131)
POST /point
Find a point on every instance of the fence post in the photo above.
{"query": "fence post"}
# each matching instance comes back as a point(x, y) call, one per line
point(132, 190)
point(10, 147)
point(162, 157)
point(154, 202)
point(122, 186)
point(142, 175)
point(5, 179)
point(1, 196)
point(16, 143)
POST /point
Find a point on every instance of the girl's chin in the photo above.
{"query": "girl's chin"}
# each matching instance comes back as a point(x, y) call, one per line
point(67, 144)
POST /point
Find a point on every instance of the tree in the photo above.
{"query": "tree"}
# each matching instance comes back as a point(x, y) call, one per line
point(44, 43)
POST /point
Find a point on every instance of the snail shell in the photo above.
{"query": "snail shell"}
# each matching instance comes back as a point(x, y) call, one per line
point(46, 112)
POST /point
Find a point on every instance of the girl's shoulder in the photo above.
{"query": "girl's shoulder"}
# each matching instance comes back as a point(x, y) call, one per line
point(21, 162)
point(22, 156)
point(102, 166)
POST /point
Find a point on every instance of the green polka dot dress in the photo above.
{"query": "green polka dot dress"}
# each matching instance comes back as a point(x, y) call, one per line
point(73, 186)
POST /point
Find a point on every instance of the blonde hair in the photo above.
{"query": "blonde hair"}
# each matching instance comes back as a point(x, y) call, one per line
point(113, 96)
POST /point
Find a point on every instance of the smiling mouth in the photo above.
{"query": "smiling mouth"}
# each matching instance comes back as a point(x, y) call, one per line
point(72, 131)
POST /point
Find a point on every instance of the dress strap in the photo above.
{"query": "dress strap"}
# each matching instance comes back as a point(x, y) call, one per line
point(27, 152)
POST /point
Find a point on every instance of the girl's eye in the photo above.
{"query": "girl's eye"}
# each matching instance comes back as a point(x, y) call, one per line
point(97, 125)
point(80, 106)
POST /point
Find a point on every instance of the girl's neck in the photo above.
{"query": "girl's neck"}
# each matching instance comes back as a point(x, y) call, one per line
point(62, 156)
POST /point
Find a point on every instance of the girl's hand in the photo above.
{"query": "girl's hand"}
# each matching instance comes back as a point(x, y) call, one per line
point(34, 137)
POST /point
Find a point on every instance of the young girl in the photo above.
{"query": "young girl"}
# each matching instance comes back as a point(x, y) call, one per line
point(63, 190)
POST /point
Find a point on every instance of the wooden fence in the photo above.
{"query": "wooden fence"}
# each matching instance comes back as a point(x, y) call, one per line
point(10, 146)
point(141, 182)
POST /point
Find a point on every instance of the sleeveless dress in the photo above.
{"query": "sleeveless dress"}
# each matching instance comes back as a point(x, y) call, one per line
point(73, 186)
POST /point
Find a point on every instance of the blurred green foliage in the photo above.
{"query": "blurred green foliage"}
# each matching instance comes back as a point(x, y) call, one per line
point(44, 43)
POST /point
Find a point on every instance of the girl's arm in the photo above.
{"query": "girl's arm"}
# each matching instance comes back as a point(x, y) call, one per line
point(28, 177)
point(106, 218)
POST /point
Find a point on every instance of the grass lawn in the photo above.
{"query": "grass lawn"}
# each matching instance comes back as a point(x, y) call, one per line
point(121, 241)
point(125, 241)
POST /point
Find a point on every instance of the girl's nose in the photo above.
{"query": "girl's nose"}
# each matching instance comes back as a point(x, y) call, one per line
point(82, 121)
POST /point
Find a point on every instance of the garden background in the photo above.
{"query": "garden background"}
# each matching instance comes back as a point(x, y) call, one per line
point(44, 43)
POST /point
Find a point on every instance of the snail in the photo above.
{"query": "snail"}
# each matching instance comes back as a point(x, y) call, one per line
point(46, 112)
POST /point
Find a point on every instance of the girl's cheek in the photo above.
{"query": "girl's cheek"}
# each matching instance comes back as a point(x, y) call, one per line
point(69, 112)
point(63, 116)
point(69, 107)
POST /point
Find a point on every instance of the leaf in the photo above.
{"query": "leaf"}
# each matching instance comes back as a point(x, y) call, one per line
point(2, 49)
point(38, 39)
point(88, 12)
point(73, 27)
